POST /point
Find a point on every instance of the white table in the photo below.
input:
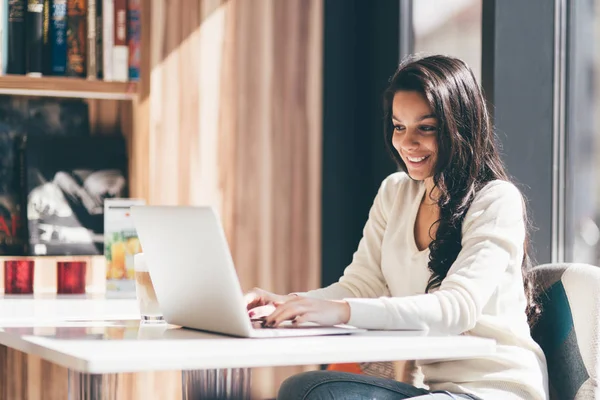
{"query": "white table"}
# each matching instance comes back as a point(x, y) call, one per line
point(77, 336)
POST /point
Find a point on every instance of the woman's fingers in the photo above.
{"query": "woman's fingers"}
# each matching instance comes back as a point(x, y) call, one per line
point(252, 299)
point(282, 313)
point(257, 324)
point(261, 311)
point(302, 318)
point(287, 311)
point(304, 309)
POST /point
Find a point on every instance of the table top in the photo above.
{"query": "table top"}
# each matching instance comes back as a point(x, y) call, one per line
point(97, 335)
point(22, 310)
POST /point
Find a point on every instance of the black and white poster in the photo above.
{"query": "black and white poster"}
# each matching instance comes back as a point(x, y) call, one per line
point(67, 180)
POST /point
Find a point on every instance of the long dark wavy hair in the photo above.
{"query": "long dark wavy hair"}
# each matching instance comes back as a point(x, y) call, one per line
point(467, 157)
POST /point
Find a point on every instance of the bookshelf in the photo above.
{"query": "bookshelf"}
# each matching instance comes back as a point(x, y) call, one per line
point(113, 107)
point(21, 85)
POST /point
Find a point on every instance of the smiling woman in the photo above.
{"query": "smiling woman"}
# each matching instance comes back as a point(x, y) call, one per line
point(454, 132)
point(444, 250)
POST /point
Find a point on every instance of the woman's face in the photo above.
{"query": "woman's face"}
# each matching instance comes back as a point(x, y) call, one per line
point(415, 133)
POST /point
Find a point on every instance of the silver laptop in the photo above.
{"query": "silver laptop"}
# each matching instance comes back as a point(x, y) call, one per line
point(194, 277)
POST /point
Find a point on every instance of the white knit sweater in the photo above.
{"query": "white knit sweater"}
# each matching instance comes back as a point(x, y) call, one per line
point(482, 294)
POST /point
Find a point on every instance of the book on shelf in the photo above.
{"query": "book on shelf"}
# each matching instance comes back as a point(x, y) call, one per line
point(37, 117)
point(3, 35)
point(16, 37)
point(108, 37)
point(120, 49)
point(91, 65)
point(58, 38)
point(134, 30)
point(34, 28)
point(76, 38)
point(98, 39)
point(66, 180)
point(46, 44)
point(93, 39)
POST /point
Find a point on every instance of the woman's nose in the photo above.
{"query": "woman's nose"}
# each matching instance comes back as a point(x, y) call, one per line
point(409, 140)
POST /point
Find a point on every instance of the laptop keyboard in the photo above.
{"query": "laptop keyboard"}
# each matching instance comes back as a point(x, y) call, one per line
point(300, 331)
point(305, 329)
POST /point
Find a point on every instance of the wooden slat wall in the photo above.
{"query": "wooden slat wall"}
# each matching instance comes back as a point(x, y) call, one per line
point(235, 122)
point(29, 377)
point(139, 161)
point(276, 218)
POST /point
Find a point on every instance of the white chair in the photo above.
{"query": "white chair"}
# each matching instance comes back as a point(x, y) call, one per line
point(568, 329)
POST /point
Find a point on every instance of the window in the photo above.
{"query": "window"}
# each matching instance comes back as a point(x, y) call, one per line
point(582, 154)
point(451, 28)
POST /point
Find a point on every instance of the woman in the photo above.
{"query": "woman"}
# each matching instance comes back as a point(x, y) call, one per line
point(444, 249)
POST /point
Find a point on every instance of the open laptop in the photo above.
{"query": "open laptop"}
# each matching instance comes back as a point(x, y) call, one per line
point(194, 277)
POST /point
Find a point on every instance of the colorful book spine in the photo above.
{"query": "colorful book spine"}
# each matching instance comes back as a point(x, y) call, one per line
point(58, 37)
point(16, 37)
point(46, 43)
point(76, 38)
point(92, 70)
point(134, 23)
point(3, 35)
point(120, 49)
point(108, 27)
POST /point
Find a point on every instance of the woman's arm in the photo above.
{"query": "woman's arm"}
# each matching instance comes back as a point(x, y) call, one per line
point(493, 235)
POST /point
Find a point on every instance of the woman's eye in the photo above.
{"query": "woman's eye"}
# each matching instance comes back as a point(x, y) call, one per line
point(428, 128)
point(398, 128)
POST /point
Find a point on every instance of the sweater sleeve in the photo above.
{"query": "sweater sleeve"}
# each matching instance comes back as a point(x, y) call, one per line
point(493, 236)
point(363, 277)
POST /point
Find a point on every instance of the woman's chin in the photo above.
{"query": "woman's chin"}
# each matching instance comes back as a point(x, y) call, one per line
point(417, 176)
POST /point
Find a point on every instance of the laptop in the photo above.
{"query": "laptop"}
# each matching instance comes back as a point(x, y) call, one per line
point(194, 276)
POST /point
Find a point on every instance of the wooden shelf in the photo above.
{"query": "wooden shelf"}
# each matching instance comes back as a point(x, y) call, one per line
point(67, 87)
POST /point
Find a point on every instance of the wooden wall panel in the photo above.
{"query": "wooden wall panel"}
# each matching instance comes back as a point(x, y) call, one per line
point(29, 377)
point(139, 142)
point(13, 374)
point(228, 124)
point(46, 381)
point(276, 217)
point(277, 143)
point(106, 116)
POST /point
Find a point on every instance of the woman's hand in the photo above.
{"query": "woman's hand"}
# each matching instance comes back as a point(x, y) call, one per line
point(305, 309)
point(258, 297)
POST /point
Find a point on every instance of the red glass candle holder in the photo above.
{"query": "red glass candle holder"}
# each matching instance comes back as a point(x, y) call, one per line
point(70, 277)
point(18, 276)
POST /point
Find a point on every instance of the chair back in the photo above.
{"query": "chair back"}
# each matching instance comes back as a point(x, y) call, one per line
point(568, 329)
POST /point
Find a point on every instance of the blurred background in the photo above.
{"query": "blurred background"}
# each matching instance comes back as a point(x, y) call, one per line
point(271, 111)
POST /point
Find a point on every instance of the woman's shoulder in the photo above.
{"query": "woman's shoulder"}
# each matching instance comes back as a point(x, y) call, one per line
point(395, 179)
point(399, 184)
point(497, 211)
point(497, 198)
point(499, 191)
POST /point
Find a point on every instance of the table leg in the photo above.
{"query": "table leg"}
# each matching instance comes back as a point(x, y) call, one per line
point(216, 384)
point(84, 386)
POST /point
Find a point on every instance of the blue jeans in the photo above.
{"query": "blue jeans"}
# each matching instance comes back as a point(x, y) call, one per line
point(333, 385)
